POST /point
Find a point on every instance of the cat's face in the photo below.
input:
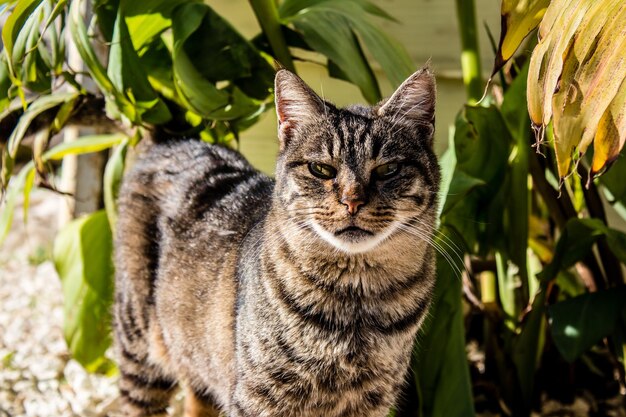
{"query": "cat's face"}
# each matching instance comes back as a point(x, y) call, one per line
point(356, 176)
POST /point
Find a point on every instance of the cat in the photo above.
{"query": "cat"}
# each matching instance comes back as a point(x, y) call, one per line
point(294, 297)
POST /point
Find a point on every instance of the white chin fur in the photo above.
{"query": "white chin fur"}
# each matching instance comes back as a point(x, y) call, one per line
point(362, 246)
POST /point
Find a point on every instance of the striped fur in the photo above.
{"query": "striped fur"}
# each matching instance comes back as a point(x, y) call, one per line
point(268, 298)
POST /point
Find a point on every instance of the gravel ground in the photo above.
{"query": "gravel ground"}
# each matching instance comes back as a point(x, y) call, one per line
point(37, 376)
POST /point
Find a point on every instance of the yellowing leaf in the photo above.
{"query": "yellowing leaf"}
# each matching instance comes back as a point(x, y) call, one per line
point(575, 74)
point(611, 132)
point(546, 62)
point(519, 18)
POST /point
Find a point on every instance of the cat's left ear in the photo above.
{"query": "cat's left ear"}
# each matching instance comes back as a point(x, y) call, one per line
point(296, 105)
point(413, 103)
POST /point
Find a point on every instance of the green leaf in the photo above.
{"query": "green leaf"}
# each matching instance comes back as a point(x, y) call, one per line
point(24, 180)
point(10, 198)
point(390, 54)
point(481, 146)
point(515, 116)
point(82, 257)
point(447, 162)
point(440, 360)
point(147, 19)
point(28, 186)
point(81, 40)
point(482, 142)
point(5, 83)
point(579, 323)
point(36, 108)
point(14, 25)
point(112, 180)
point(528, 346)
point(460, 186)
point(290, 8)
point(330, 34)
point(198, 93)
point(614, 186)
point(353, 15)
point(220, 53)
point(128, 75)
point(85, 144)
point(616, 240)
point(574, 244)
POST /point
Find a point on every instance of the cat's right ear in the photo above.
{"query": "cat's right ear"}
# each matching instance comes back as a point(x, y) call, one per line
point(296, 104)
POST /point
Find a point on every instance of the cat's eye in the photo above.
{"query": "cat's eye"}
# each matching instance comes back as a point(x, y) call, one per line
point(323, 171)
point(385, 171)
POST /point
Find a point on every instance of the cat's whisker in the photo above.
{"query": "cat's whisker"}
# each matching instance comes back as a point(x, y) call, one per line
point(429, 238)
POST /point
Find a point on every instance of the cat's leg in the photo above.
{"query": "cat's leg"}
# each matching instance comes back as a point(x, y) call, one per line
point(145, 389)
point(199, 405)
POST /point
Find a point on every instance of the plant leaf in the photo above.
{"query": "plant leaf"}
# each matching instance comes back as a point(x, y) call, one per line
point(389, 53)
point(24, 180)
point(519, 18)
point(128, 75)
point(10, 198)
point(611, 133)
point(36, 108)
point(112, 179)
point(482, 145)
point(147, 19)
point(528, 346)
point(220, 53)
point(82, 257)
point(580, 322)
point(575, 73)
point(212, 102)
point(85, 144)
point(515, 115)
point(290, 8)
point(614, 186)
point(439, 357)
point(330, 33)
point(14, 23)
point(81, 40)
point(577, 240)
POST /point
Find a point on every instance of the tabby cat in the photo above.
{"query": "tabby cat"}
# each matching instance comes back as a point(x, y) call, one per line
point(294, 297)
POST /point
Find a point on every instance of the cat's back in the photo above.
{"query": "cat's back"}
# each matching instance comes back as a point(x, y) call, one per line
point(185, 208)
point(195, 186)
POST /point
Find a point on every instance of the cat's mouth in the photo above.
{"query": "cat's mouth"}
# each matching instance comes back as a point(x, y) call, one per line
point(353, 233)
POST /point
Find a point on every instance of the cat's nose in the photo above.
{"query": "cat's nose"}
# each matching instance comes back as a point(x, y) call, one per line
point(352, 204)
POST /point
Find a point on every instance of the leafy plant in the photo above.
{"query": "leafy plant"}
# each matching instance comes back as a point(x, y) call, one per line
point(535, 240)
point(525, 242)
point(152, 66)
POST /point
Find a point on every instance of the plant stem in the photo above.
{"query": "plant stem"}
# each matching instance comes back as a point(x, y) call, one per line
point(267, 15)
point(612, 266)
point(470, 54)
point(561, 210)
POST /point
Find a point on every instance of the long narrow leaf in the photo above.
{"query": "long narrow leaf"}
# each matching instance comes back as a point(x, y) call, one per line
point(127, 75)
point(112, 179)
point(94, 66)
point(14, 23)
point(85, 144)
point(10, 199)
point(331, 35)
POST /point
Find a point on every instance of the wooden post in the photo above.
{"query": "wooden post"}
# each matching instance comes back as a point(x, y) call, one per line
point(81, 175)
